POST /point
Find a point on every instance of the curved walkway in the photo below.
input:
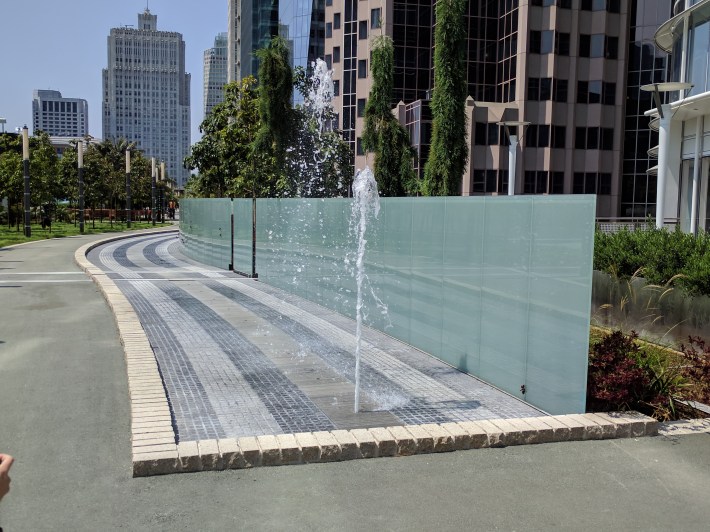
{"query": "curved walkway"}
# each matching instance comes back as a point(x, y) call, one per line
point(229, 372)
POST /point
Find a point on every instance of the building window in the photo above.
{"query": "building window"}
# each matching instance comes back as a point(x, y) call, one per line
point(336, 54)
point(489, 182)
point(561, 43)
point(336, 21)
point(537, 136)
point(361, 107)
point(375, 18)
point(535, 182)
point(329, 61)
point(612, 6)
point(486, 134)
point(336, 87)
point(591, 183)
point(596, 92)
point(360, 151)
point(329, 2)
point(565, 4)
point(559, 91)
point(541, 42)
point(594, 138)
point(362, 29)
point(328, 30)
point(362, 68)
point(598, 45)
point(559, 136)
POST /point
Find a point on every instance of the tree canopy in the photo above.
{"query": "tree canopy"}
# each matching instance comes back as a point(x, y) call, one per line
point(383, 134)
point(448, 154)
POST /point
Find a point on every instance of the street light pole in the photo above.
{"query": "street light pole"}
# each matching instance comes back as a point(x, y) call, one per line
point(152, 190)
point(80, 163)
point(26, 170)
point(513, 150)
point(162, 190)
point(128, 189)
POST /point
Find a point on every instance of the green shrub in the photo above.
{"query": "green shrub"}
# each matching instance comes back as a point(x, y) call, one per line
point(659, 254)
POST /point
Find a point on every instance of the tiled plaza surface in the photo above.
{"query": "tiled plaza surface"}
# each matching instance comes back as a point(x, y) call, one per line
point(240, 358)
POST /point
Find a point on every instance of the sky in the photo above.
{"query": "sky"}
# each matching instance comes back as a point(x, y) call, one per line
point(61, 45)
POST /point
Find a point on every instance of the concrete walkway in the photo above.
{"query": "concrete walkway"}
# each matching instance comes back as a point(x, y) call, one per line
point(64, 415)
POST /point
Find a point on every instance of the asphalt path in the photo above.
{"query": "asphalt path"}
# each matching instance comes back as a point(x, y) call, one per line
point(64, 416)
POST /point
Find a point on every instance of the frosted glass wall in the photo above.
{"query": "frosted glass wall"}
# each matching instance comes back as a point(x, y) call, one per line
point(206, 232)
point(243, 227)
point(499, 287)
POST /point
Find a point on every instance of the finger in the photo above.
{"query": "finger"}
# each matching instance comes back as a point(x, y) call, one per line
point(5, 462)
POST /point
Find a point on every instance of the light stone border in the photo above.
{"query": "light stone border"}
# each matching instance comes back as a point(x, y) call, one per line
point(155, 452)
point(152, 434)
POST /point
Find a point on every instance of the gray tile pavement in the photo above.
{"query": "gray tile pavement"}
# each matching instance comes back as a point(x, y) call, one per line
point(240, 358)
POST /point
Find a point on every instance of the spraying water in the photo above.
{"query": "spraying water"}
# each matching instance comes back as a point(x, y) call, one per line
point(365, 205)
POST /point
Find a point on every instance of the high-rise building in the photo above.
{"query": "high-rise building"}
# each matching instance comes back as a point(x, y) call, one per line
point(215, 73)
point(682, 120)
point(58, 116)
point(302, 25)
point(562, 66)
point(647, 63)
point(252, 24)
point(146, 93)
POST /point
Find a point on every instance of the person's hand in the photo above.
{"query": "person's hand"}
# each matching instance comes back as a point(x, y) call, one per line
point(5, 465)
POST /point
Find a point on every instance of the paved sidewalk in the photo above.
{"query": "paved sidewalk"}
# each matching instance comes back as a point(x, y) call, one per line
point(240, 358)
point(64, 415)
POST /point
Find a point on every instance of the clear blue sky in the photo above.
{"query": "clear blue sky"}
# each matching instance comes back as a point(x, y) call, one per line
point(61, 45)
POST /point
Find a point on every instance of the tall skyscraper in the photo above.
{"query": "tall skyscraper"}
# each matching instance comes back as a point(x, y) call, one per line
point(215, 73)
point(146, 93)
point(647, 64)
point(58, 116)
point(302, 25)
point(252, 24)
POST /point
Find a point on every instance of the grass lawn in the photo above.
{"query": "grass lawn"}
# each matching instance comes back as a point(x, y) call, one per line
point(9, 236)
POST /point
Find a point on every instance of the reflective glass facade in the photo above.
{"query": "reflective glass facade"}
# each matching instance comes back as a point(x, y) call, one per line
point(646, 64)
point(302, 24)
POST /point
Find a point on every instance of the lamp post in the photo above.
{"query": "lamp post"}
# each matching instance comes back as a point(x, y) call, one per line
point(26, 171)
point(513, 149)
point(665, 114)
point(80, 164)
point(3, 121)
point(152, 190)
point(162, 190)
point(128, 188)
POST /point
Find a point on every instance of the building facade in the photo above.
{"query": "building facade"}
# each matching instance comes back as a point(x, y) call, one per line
point(572, 69)
point(146, 93)
point(252, 24)
point(302, 25)
point(215, 73)
point(58, 116)
point(682, 119)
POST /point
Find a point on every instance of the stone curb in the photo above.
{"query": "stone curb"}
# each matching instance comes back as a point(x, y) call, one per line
point(152, 434)
point(153, 438)
point(341, 445)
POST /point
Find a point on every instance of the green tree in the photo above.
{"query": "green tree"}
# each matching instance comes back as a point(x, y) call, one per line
point(448, 154)
point(275, 108)
point(383, 134)
point(11, 176)
point(44, 183)
point(224, 156)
